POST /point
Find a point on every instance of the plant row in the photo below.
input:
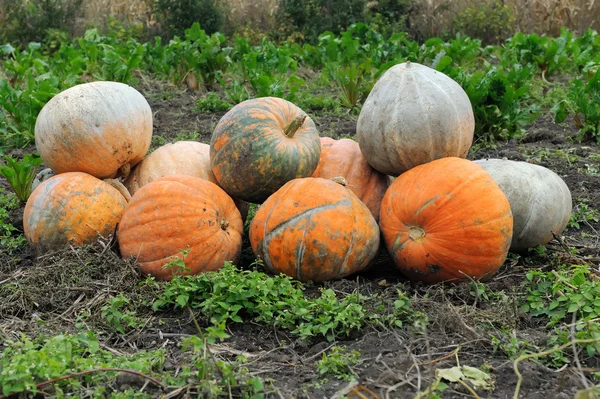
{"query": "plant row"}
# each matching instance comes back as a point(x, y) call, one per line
point(498, 79)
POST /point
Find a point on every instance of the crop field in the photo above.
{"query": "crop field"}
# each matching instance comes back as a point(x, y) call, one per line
point(81, 321)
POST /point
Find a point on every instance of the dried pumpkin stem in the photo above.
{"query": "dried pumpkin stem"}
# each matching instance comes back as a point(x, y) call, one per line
point(293, 127)
point(340, 180)
point(416, 233)
point(224, 224)
point(120, 187)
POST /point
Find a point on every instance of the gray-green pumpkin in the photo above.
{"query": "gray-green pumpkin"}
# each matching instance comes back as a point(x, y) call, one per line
point(414, 115)
point(539, 199)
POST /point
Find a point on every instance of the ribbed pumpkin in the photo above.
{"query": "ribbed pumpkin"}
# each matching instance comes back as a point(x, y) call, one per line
point(446, 220)
point(72, 209)
point(412, 116)
point(344, 158)
point(540, 200)
point(314, 229)
point(176, 213)
point(261, 144)
point(100, 128)
point(181, 158)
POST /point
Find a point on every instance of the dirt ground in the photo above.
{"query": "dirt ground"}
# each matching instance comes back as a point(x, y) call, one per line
point(394, 363)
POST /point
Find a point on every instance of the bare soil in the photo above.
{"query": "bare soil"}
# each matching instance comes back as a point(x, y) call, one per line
point(394, 363)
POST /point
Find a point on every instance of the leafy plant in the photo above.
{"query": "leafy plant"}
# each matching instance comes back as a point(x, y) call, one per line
point(11, 238)
point(564, 295)
point(212, 103)
point(583, 214)
point(20, 174)
point(339, 362)
point(117, 316)
point(26, 362)
point(583, 100)
point(230, 294)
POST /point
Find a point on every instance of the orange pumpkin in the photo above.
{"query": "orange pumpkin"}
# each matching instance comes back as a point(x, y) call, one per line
point(181, 158)
point(72, 209)
point(176, 213)
point(100, 128)
point(314, 229)
point(343, 158)
point(446, 220)
point(261, 144)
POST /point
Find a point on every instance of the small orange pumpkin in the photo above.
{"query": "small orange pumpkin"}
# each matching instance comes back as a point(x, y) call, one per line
point(261, 144)
point(343, 158)
point(176, 213)
point(181, 158)
point(446, 220)
point(314, 229)
point(72, 209)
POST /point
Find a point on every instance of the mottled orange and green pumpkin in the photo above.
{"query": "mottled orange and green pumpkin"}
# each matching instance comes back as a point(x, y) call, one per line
point(176, 213)
point(344, 158)
point(446, 220)
point(71, 208)
point(314, 229)
point(261, 144)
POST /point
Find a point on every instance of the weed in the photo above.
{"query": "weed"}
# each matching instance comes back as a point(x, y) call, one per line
point(116, 315)
point(10, 237)
point(339, 362)
point(212, 103)
point(582, 215)
point(20, 174)
point(26, 362)
point(566, 295)
point(230, 293)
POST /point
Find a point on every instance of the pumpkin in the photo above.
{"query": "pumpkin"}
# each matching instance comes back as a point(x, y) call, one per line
point(179, 213)
point(314, 229)
point(412, 116)
point(181, 158)
point(100, 128)
point(446, 220)
point(72, 208)
point(261, 144)
point(540, 200)
point(344, 158)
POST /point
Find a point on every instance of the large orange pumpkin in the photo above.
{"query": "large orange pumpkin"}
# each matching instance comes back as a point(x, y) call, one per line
point(261, 144)
point(71, 209)
point(314, 229)
point(177, 213)
point(100, 128)
point(181, 158)
point(446, 220)
point(343, 158)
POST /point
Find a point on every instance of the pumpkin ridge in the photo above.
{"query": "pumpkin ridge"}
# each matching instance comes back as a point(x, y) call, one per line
point(300, 255)
point(450, 101)
point(349, 250)
point(309, 212)
point(426, 121)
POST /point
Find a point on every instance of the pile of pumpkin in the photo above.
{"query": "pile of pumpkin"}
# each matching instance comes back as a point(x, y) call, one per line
point(327, 206)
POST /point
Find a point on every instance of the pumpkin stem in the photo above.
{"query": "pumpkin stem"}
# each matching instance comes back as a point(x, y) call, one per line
point(416, 233)
point(120, 188)
point(340, 180)
point(224, 224)
point(293, 127)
